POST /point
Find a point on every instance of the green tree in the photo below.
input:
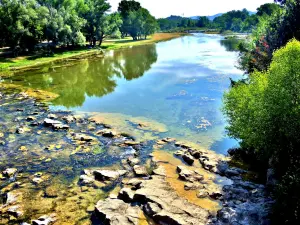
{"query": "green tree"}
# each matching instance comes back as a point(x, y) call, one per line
point(203, 21)
point(125, 8)
point(109, 25)
point(264, 115)
point(267, 9)
point(95, 17)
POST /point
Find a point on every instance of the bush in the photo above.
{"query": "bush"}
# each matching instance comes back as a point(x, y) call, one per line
point(264, 114)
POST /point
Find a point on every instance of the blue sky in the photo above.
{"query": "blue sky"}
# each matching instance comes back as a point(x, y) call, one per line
point(164, 8)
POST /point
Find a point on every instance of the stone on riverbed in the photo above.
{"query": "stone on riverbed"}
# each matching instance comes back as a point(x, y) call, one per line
point(108, 175)
point(188, 158)
point(44, 220)
point(55, 124)
point(140, 171)
point(9, 172)
point(117, 212)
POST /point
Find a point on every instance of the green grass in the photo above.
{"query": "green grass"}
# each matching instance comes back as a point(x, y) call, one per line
point(8, 65)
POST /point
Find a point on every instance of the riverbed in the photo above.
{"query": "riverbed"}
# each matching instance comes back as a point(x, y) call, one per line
point(143, 93)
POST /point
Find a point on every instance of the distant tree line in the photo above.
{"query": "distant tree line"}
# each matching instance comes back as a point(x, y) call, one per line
point(25, 23)
point(235, 20)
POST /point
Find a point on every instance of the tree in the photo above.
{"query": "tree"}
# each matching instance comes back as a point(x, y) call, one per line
point(94, 15)
point(264, 115)
point(20, 23)
point(267, 9)
point(140, 23)
point(109, 25)
point(203, 21)
point(125, 8)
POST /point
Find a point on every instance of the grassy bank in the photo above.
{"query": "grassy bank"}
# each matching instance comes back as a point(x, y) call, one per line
point(10, 65)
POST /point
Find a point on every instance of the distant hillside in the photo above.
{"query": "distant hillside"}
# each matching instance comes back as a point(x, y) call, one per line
point(216, 15)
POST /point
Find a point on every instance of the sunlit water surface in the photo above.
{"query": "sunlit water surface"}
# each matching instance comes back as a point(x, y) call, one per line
point(179, 83)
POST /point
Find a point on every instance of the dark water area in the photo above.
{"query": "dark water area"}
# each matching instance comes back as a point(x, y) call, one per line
point(178, 83)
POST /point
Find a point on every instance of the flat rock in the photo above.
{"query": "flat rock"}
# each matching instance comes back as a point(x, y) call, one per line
point(117, 212)
point(140, 171)
point(133, 161)
point(108, 175)
point(164, 205)
point(126, 194)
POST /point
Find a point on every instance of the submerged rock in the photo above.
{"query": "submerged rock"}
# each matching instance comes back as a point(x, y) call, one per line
point(9, 172)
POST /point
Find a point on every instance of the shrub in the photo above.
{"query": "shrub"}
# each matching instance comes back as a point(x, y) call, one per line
point(264, 114)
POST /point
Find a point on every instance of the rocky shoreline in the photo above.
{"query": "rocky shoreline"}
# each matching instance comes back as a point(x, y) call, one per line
point(138, 191)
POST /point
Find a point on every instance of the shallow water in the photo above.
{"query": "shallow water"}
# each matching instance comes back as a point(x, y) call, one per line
point(178, 83)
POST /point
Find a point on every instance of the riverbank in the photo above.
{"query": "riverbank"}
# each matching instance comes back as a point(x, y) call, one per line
point(10, 65)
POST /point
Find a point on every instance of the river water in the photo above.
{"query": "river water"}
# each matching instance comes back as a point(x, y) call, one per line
point(178, 83)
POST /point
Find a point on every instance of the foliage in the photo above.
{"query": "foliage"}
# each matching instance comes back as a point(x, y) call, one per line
point(181, 23)
point(137, 22)
point(264, 115)
point(275, 31)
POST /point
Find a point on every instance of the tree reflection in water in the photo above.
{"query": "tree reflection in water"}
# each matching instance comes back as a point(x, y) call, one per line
point(93, 77)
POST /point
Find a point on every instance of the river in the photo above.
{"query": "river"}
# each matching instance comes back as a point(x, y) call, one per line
point(179, 83)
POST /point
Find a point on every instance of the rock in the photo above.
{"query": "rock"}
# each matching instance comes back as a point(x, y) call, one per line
point(184, 173)
point(84, 137)
point(52, 116)
point(180, 153)
point(159, 171)
point(207, 164)
point(126, 194)
point(44, 220)
point(195, 153)
point(164, 206)
point(108, 175)
point(37, 180)
point(20, 130)
point(131, 143)
point(15, 211)
point(10, 172)
point(107, 133)
point(30, 118)
point(140, 171)
point(85, 179)
point(168, 140)
point(133, 161)
point(192, 186)
point(188, 159)
point(55, 124)
point(134, 182)
point(214, 195)
point(117, 212)
point(69, 119)
point(202, 193)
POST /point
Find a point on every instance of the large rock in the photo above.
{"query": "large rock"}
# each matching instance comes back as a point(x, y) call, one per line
point(108, 175)
point(55, 124)
point(164, 206)
point(188, 158)
point(117, 212)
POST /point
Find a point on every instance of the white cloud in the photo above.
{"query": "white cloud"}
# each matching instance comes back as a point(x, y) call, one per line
point(164, 8)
